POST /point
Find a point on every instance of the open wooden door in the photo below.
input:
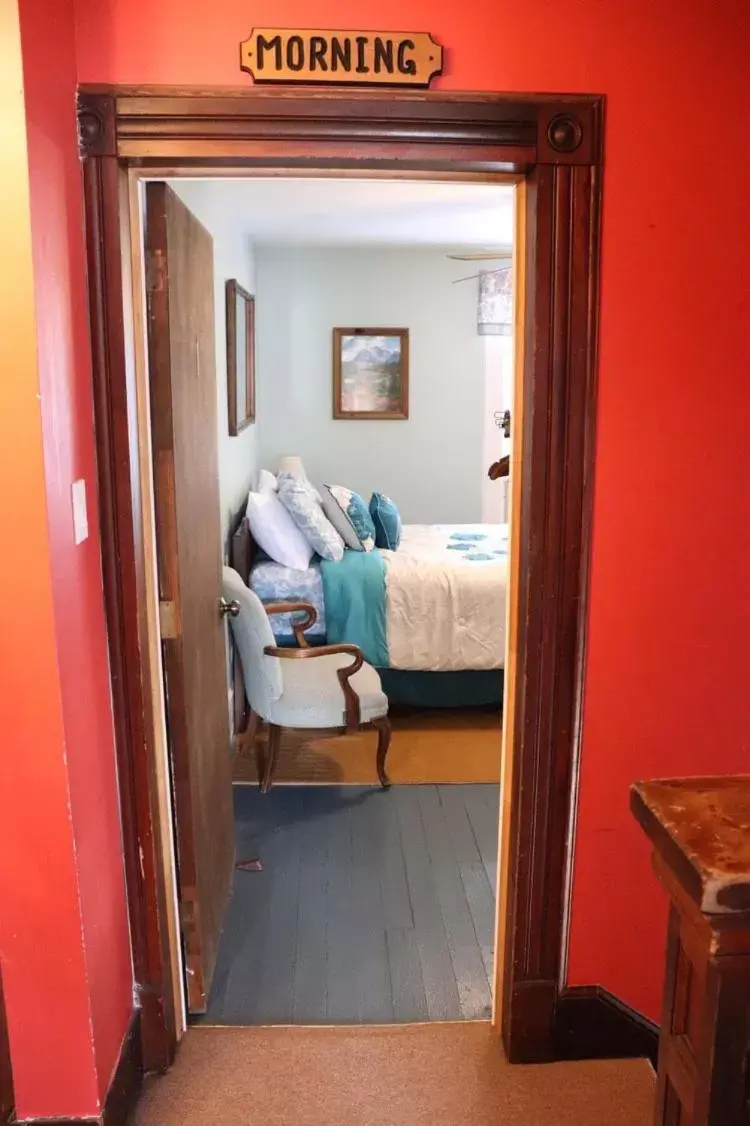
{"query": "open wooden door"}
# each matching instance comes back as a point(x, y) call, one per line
point(180, 300)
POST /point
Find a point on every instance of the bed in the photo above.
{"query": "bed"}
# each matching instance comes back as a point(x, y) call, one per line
point(430, 616)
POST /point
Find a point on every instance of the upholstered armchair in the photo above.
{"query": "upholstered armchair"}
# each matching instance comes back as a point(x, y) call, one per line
point(321, 687)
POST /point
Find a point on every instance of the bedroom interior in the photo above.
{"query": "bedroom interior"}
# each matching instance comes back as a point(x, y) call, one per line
point(363, 345)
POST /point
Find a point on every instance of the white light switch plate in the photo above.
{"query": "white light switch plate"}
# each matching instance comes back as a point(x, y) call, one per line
point(80, 515)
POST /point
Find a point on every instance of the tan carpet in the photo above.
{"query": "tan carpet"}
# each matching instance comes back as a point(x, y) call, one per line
point(427, 747)
point(412, 1075)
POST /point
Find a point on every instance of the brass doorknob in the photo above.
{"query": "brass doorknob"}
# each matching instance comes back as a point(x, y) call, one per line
point(231, 608)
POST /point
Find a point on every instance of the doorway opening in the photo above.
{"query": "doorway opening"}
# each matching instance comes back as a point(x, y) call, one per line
point(552, 148)
point(342, 471)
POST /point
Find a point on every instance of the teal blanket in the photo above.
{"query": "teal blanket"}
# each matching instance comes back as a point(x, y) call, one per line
point(354, 593)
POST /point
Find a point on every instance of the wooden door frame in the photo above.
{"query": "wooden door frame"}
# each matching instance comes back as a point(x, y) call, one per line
point(555, 144)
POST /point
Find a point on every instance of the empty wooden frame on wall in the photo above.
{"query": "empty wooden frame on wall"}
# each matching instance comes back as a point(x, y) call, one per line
point(240, 357)
point(553, 144)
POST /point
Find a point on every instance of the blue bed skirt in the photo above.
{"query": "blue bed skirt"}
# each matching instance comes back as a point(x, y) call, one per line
point(443, 689)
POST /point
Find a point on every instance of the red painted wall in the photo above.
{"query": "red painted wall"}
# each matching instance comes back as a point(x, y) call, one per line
point(70, 1010)
point(41, 950)
point(666, 676)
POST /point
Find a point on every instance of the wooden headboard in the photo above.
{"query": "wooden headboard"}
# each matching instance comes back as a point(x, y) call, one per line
point(242, 552)
point(242, 549)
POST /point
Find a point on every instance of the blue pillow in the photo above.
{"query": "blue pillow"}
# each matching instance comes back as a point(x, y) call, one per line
point(385, 517)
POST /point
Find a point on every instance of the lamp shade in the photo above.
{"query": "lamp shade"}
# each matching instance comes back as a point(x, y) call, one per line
point(495, 304)
point(293, 466)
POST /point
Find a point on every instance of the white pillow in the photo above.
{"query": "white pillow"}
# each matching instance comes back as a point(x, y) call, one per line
point(266, 482)
point(273, 529)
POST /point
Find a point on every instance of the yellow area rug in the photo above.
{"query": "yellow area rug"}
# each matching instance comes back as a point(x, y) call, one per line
point(434, 746)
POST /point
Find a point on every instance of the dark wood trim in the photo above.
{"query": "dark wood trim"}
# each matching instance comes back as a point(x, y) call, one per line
point(555, 142)
point(124, 1089)
point(127, 1081)
point(560, 391)
point(591, 1023)
point(150, 125)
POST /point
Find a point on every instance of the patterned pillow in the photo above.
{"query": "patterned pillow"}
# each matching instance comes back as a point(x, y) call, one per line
point(350, 517)
point(298, 497)
point(387, 521)
point(294, 467)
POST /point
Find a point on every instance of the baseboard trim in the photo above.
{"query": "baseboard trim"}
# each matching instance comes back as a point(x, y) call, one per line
point(127, 1081)
point(528, 1023)
point(591, 1023)
point(124, 1088)
point(6, 1069)
point(56, 1122)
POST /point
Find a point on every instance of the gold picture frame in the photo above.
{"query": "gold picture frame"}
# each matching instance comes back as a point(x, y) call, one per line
point(371, 373)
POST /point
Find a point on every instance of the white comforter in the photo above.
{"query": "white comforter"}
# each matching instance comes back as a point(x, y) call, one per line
point(446, 590)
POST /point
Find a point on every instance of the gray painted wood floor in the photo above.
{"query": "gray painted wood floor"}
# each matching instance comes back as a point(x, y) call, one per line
point(372, 906)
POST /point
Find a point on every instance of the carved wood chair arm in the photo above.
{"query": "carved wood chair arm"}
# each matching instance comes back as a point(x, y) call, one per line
point(499, 468)
point(298, 628)
point(351, 699)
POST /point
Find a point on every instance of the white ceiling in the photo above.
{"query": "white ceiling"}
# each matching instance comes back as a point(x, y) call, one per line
point(325, 212)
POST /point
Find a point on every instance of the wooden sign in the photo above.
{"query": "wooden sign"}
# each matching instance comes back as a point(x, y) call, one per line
point(367, 58)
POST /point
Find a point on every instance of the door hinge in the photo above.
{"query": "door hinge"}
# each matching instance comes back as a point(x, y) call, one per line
point(156, 271)
point(169, 626)
point(502, 421)
point(188, 910)
point(187, 916)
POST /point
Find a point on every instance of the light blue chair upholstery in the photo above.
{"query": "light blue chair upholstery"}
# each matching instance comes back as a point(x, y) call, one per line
point(252, 634)
point(284, 690)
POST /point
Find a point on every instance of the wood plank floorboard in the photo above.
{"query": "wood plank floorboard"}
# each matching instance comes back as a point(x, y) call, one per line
point(371, 906)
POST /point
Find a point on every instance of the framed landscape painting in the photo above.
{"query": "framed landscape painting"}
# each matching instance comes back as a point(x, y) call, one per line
point(371, 373)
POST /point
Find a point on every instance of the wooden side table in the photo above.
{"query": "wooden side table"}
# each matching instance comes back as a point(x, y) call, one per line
point(700, 830)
